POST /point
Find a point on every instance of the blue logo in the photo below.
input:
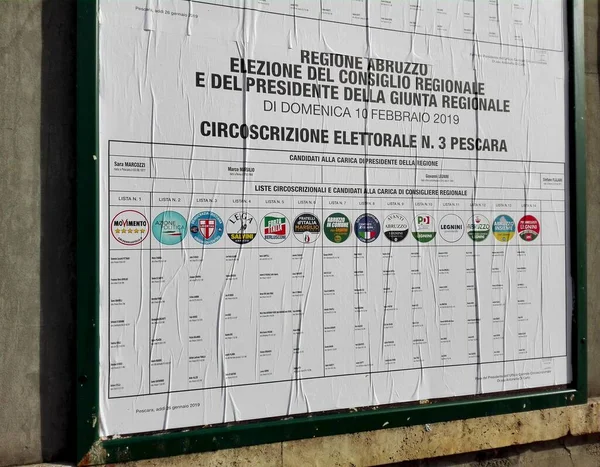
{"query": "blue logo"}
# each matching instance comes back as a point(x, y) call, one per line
point(367, 228)
point(206, 227)
point(169, 228)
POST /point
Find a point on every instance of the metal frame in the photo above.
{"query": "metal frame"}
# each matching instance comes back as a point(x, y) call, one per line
point(92, 450)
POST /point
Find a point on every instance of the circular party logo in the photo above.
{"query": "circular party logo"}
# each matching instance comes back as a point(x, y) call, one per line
point(307, 228)
point(241, 228)
point(478, 228)
point(337, 228)
point(367, 228)
point(129, 227)
point(169, 228)
point(206, 227)
point(529, 228)
point(503, 228)
point(423, 228)
point(275, 227)
point(395, 227)
point(451, 228)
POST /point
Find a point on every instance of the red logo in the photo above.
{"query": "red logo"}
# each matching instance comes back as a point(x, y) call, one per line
point(528, 228)
point(207, 227)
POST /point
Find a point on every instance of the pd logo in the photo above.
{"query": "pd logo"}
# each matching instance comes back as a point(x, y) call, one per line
point(206, 228)
point(423, 228)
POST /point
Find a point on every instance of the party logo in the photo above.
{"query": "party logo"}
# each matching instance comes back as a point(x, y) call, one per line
point(241, 228)
point(503, 228)
point(367, 228)
point(423, 228)
point(307, 228)
point(206, 227)
point(337, 228)
point(129, 227)
point(169, 227)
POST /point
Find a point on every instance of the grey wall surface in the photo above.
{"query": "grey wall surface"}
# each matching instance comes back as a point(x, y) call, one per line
point(37, 232)
point(592, 64)
point(37, 267)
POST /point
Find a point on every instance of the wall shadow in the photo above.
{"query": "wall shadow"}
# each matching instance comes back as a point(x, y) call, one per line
point(57, 230)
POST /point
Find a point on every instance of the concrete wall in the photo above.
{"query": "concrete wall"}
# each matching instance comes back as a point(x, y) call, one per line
point(37, 266)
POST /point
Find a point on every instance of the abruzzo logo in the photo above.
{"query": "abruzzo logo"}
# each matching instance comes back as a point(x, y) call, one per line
point(423, 228)
point(478, 228)
point(206, 228)
point(337, 228)
point(275, 227)
point(395, 227)
point(504, 228)
point(169, 228)
point(129, 227)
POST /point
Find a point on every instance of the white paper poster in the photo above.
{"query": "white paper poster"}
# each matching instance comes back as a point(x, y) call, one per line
point(312, 205)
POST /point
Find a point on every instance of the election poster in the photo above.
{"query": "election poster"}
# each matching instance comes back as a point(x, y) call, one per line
point(312, 206)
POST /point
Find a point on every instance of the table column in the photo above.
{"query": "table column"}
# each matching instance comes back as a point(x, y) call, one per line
point(129, 307)
point(169, 280)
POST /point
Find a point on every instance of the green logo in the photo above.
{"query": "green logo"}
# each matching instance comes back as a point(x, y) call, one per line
point(337, 228)
point(423, 228)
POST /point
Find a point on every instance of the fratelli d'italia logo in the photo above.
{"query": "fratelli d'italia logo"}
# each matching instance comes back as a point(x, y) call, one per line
point(169, 227)
point(206, 227)
point(129, 227)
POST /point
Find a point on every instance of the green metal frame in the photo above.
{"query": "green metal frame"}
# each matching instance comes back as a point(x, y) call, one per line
point(91, 450)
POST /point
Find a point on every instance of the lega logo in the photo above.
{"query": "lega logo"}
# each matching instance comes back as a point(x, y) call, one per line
point(241, 228)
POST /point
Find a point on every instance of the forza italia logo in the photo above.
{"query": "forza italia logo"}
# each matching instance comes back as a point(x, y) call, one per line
point(275, 227)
